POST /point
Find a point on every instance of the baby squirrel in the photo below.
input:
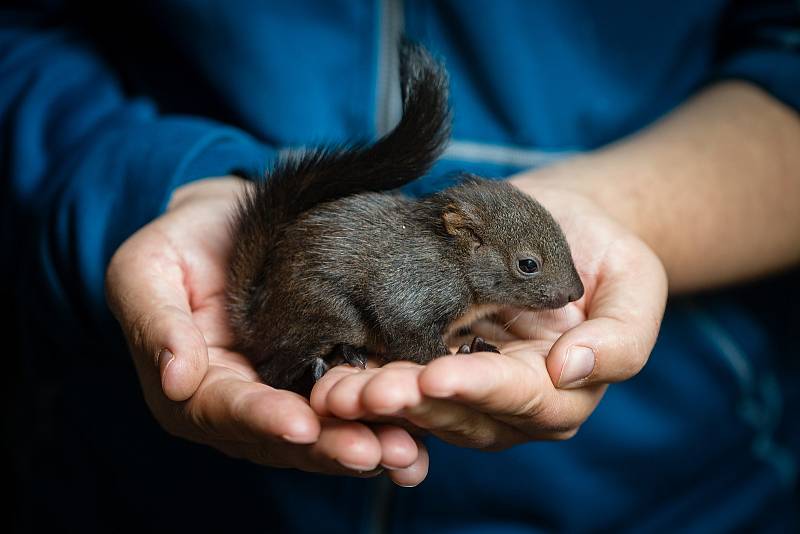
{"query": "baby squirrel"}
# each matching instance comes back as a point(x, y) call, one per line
point(327, 266)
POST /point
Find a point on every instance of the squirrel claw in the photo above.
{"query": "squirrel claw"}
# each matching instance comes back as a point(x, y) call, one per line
point(480, 345)
point(355, 357)
point(319, 368)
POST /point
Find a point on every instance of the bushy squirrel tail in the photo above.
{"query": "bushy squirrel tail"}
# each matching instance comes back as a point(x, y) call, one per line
point(305, 180)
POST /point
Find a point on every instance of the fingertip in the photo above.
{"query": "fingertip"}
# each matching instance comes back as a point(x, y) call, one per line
point(571, 367)
point(320, 393)
point(555, 363)
point(318, 401)
point(302, 431)
point(392, 391)
point(279, 413)
point(351, 444)
point(414, 474)
point(398, 449)
point(441, 378)
point(182, 373)
point(344, 398)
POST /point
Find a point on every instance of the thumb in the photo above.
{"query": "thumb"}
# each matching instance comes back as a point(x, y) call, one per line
point(624, 312)
point(181, 353)
point(145, 292)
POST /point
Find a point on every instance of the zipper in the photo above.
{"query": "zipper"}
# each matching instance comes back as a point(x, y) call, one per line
point(388, 111)
point(389, 100)
point(383, 490)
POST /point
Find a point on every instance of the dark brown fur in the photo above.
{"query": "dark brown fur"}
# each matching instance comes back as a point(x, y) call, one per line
point(328, 266)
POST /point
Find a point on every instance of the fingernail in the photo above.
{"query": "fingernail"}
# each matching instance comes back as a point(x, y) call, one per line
point(300, 433)
point(299, 439)
point(578, 365)
point(360, 468)
point(163, 360)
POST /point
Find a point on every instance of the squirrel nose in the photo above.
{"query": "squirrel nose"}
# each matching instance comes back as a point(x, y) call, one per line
point(577, 291)
point(560, 299)
point(575, 295)
point(564, 297)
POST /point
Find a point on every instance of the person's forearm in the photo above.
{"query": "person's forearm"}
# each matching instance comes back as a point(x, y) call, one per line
point(713, 188)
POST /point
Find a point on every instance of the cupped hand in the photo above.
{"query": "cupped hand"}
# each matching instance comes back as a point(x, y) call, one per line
point(165, 285)
point(554, 365)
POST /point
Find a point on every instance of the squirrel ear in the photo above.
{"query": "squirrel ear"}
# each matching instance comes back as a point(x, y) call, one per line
point(459, 224)
point(453, 220)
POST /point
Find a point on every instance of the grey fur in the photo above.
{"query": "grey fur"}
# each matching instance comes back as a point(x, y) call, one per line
point(329, 267)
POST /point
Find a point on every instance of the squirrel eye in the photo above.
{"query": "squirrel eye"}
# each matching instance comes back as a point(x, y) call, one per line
point(528, 266)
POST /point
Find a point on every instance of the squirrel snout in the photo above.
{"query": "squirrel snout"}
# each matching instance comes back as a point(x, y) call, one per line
point(576, 293)
point(565, 296)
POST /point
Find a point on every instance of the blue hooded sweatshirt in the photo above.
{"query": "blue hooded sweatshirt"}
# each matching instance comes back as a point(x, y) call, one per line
point(106, 108)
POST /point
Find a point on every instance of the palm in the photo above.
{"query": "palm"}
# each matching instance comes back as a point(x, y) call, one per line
point(490, 401)
point(166, 285)
point(202, 250)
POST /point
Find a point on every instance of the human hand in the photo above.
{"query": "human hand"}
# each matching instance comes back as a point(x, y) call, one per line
point(555, 364)
point(165, 285)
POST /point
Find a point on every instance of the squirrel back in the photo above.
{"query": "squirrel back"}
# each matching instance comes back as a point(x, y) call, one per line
point(302, 181)
point(326, 267)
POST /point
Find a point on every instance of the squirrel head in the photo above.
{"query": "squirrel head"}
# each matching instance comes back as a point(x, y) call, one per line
point(509, 247)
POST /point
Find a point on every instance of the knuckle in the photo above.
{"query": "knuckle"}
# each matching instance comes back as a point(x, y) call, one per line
point(197, 417)
point(531, 408)
point(640, 359)
point(138, 331)
point(636, 360)
point(566, 434)
point(561, 420)
point(471, 432)
point(114, 269)
point(482, 439)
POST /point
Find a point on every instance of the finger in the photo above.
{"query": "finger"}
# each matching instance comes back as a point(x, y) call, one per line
point(396, 391)
point(477, 378)
point(343, 448)
point(182, 353)
point(414, 474)
point(350, 444)
point(387, 392)
point(463, 425)
point(227, 407)
point(144, 287)
point(624, 315)
point(511, 390)
point(320, 393)
point(338, 391)
point(344, 399)
point(398, 449)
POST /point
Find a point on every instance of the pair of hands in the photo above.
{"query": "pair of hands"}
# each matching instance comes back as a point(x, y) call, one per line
point(165, 285)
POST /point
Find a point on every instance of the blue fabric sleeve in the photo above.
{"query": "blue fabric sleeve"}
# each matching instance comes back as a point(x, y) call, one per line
point(760, 42)
point(83, 165)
